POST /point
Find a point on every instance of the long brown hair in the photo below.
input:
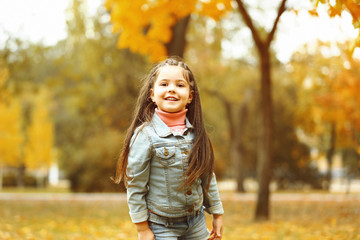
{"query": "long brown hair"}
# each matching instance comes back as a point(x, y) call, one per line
point(201, 157)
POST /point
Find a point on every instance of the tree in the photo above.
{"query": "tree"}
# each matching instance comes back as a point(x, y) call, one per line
point(11, 136)
point(293, 166)
point(265, 157)
point(39, 149)
point(158, 28)
point(234, 112)
point(231, 102)
point(25, 73)
point(92, 100)
point(93, 89)
point(329, 111)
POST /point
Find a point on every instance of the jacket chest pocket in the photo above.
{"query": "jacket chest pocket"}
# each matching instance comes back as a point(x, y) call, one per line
point(165, 155)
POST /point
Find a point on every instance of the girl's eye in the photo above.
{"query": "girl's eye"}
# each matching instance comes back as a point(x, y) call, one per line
point(181, 85)
point(163, 84)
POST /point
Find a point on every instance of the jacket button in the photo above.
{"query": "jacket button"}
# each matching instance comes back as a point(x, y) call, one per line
point(166, 153)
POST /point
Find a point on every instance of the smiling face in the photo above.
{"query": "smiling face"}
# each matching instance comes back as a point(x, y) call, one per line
point(171, 91)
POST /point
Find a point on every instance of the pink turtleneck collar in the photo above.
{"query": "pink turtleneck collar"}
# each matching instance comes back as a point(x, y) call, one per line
point(175, 121)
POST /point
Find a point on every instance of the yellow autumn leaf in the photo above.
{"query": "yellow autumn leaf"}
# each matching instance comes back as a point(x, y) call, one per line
point(152, 21)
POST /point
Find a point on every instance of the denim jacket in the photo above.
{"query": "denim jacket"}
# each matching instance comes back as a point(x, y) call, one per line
point(156, 163)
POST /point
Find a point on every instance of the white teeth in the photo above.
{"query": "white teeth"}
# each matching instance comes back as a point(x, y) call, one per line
point(171, 98)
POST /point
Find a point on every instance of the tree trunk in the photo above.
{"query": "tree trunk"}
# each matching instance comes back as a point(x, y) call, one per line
point(236, 153)
point(239, 166)
point(20, 176)
point(264, 164)
point(235, 131)
point(176, 46)
point(329, 155)
point(239, 143)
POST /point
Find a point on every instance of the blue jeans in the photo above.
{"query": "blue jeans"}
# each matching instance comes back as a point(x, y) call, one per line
point(182, 228)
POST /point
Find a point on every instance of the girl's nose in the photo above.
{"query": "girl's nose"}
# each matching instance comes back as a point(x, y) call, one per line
point(171, 88)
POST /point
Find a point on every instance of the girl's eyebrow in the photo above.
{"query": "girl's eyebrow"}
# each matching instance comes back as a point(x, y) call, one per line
point(177, 80)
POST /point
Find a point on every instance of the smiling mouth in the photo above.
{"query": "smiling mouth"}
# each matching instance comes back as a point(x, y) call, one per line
point(171, 99)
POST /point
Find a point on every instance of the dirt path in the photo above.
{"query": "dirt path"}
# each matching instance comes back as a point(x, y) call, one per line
point(304, 197)
point(64, 196)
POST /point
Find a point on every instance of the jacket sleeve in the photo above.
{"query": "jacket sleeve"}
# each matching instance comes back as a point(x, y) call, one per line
point(212, 202)
point(138, 169)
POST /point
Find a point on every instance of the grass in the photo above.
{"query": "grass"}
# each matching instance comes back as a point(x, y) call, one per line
point(78, 220)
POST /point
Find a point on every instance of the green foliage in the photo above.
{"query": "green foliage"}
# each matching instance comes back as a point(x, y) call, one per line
point(100, 152)
point(96, 93)
point(93, 87)
point(292, 162)
point(11, 180)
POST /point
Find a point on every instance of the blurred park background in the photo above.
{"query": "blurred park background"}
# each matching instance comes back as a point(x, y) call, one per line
point(279, 83)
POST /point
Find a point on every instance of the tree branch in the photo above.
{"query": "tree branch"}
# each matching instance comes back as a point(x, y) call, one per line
point(228, 109)
point(248, 21)
point(281, 10)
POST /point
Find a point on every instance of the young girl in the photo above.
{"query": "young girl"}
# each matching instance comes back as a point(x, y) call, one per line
point(167, 160)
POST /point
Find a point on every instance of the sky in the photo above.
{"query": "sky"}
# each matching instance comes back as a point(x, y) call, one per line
point(37, 20)
point(45, 21)
point(295, 30)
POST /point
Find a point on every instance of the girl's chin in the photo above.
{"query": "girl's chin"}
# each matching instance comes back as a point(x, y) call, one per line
point(171, 110)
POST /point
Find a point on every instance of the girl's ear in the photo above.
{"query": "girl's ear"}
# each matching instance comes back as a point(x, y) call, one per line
point(191, 96)
point(152, 94)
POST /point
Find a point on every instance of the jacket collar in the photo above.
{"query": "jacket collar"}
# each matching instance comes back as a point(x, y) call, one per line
point(162, 129)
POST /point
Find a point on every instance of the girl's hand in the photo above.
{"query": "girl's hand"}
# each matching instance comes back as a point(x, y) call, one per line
point(144, 232)
point(146, 235)
point(217, 227)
